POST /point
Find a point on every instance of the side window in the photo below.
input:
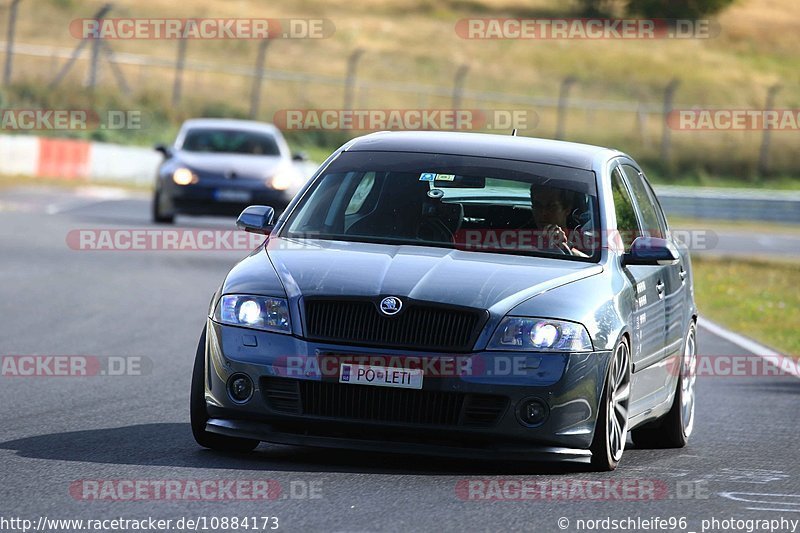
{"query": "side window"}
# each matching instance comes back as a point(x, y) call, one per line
point(627, 225)
point(652, 224)
point(360, 194)
point(662, 217)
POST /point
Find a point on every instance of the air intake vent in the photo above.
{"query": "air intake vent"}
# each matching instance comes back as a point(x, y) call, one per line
point(483, 410)
point(416, 326)
point(381, 404)
point(281, 395)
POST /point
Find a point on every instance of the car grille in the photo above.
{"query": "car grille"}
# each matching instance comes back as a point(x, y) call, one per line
point(381, 404)
point(417, 326)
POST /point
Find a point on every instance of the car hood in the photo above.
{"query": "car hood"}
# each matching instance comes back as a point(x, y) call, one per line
point(245, 166)
point(496, 282)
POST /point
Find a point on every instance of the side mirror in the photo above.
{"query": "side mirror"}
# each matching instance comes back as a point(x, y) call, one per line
point(165, 150)
point(651, 251)
point(300, 157)
point(256, 219)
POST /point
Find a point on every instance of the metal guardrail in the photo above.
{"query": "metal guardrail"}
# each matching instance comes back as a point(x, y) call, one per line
point(731, 204)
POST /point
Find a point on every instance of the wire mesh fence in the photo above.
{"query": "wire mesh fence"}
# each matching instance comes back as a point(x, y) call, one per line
point(178, 80)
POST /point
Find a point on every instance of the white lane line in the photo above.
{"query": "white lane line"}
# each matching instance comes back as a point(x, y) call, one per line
point(786, 364)
point(72, 205)
point(89, 196)
point(780, 502)
point(771, 509)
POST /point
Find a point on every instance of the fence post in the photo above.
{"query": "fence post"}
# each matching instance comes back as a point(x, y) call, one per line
point(77, 52)
point(180, 63)
point(255, 95)
point(458, 85)
point(91, 79)
point(12, 22)
point(115, 70)
point(97, 44)
point(666, 133)
point(350, 80)
point(563, 98)
point(763, 155)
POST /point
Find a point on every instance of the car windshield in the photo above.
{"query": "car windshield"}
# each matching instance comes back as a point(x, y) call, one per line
point(227, 141)
point(471, 203)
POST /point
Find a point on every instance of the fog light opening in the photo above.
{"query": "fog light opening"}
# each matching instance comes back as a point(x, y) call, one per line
point(240, 388)
point(532, 412)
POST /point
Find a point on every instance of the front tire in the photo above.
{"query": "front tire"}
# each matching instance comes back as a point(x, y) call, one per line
point(611, 428)
point(158, 216)
point(674, 429)
point(199, 413)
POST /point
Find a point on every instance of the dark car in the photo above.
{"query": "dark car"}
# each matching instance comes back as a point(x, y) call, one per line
point(456, 294)
point(220, 166)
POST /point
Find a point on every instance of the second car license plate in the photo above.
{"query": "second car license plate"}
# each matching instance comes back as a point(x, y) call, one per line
point(232, 195)
point(380, 376)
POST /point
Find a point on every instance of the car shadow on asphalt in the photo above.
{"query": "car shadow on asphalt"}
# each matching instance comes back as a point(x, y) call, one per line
point(172, 445)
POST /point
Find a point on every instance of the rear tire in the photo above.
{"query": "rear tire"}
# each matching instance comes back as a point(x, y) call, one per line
point(611, 428)
point(199, 413)
point(158, 216)
point(674, 429)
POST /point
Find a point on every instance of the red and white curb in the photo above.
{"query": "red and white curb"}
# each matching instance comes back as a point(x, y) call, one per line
point(78, 160)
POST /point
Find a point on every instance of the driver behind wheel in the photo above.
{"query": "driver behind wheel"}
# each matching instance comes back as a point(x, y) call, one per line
point(552, 207)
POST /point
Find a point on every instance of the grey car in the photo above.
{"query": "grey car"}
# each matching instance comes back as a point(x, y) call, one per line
point(219, 166)
point(456, 294)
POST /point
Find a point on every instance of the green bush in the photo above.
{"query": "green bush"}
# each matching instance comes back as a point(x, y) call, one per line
point(601, 8)
point(670, 9)
point(677, 9)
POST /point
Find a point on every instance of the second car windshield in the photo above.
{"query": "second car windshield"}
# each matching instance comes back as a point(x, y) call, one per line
point(229, 141)
point(472, 203)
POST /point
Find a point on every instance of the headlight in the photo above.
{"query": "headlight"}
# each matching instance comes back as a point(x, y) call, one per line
point(281, 181)
point(540, 335)
point(256, 312)
point(184, 176)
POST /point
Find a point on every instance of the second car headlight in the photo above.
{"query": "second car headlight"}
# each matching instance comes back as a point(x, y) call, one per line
point(256, 312)
point(281, 180)
point(184, 176)
point(540, 335)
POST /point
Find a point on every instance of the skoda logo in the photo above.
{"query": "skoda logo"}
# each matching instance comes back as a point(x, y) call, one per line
point(391, 305)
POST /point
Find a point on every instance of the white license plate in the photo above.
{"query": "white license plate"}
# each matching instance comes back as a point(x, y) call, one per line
point(232, 195)
point(380, 376)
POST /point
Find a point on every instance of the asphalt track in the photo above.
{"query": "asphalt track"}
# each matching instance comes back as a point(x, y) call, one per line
point(148, 306)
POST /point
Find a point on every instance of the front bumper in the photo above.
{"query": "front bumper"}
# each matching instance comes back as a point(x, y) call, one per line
point(484, 398)
point(206, 199)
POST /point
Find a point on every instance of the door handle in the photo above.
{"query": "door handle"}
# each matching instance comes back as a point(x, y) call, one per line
point(660, 289)
point(683, 274)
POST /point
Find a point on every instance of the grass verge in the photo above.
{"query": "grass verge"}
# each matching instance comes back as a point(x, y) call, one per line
point(7, 181)
point(758, 298)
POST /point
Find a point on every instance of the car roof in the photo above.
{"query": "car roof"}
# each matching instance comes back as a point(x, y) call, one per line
point(229, 123)
point(534, 150)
